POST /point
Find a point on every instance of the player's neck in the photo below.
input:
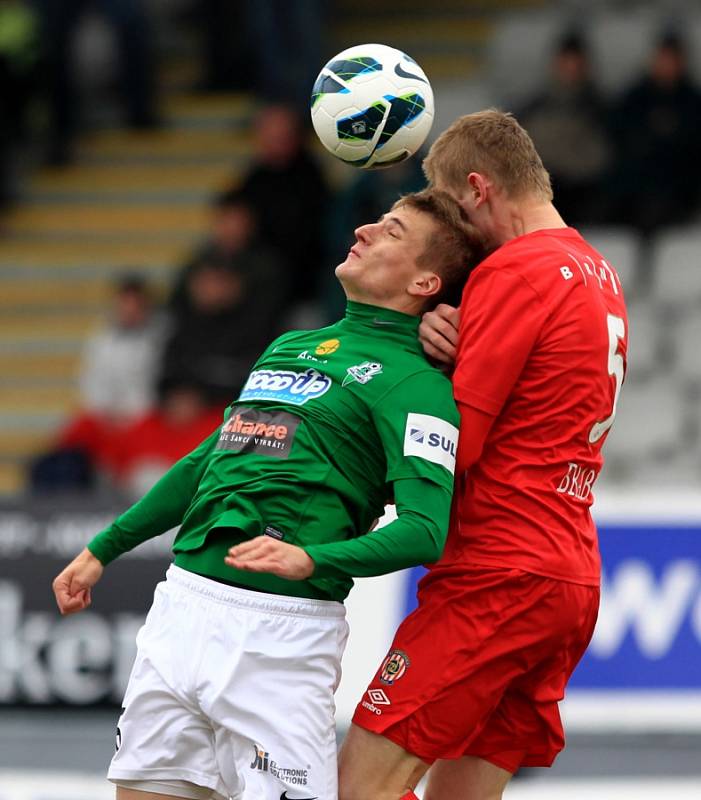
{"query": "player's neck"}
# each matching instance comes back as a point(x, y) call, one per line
point(518, 219)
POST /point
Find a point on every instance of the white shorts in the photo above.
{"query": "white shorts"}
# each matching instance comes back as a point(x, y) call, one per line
point(232, 690)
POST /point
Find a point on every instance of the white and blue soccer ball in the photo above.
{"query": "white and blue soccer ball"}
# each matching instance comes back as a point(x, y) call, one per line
point(372, 106)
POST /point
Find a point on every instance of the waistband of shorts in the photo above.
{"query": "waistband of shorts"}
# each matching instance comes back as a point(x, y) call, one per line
point(254, 600)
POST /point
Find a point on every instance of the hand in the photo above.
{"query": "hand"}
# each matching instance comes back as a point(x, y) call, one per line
point(72, 586)
point(265, 554)
point(438, 333)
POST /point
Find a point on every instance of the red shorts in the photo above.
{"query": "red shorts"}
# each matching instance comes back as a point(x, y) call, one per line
point(479, 667)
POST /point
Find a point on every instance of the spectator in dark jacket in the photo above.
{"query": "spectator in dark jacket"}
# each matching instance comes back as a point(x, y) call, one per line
point(228, 302)
point(288, 192)
point(656, 129)
point(567, 121)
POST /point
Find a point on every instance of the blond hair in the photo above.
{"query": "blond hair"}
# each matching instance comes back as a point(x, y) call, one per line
point(454, 247)
point(491, 143)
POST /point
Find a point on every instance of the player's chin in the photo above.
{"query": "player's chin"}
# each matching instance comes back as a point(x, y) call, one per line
point(347, 269)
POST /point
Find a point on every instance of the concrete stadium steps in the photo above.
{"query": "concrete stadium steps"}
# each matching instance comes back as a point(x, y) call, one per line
point(130, 202)
point(93, 220)
point(445, 48)
point(20, 365)
point(21, 297)
point(447, 38)
point(71, 254)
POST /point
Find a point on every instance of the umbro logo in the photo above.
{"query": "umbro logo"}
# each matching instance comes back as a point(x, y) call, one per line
point(379, 697)
point(284, 796)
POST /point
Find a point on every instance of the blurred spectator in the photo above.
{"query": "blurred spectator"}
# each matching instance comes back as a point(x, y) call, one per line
point(152, 444)
point(221, 324)
point(288, 191)
point(567, 121)
point(117, 386)
point(19, 55)
point(61, 19)
point(232, 243)
point(365, 198)
point(284, 46)
point(117, 378)
point(656, 130)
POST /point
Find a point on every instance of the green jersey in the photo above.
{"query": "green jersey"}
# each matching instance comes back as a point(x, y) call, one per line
point(330, 426)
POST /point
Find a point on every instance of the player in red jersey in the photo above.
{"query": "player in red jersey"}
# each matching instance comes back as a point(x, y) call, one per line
point(473, 678)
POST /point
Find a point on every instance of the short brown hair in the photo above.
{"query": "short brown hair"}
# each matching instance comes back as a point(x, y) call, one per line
point(453, 249)
point(492, 143)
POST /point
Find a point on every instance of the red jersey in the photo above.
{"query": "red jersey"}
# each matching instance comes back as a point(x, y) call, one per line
point(542, 348)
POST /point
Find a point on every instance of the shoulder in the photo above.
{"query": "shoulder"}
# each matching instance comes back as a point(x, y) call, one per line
point(418, 386)
point(530, 263)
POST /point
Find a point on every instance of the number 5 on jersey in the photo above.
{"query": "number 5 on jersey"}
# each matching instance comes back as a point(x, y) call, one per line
point(617, 331)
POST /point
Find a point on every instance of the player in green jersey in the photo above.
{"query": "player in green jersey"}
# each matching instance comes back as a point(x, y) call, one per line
point(231, 694)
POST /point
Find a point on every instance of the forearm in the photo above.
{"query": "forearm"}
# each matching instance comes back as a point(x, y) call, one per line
point(417, 536)
point(159, 510)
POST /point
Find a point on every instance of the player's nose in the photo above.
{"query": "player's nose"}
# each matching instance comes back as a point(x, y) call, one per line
point(364, 233)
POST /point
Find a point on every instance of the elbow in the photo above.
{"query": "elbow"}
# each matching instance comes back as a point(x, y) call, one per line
point(435, 545)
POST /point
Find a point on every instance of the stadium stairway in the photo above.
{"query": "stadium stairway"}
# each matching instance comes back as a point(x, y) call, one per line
point(448, 38)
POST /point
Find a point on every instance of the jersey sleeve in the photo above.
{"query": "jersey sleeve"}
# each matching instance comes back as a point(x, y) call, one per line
point(501, 317)
point(417, 536)
point(160, 509)
point(417, 423)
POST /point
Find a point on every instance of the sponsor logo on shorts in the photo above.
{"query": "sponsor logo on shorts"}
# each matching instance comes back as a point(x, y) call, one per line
point(362, 373)
point(327, 347)
point(394, 666)
point(250, 430)
point(432, 439)
point(293, 776)
point(261, 759)
point(282, 386)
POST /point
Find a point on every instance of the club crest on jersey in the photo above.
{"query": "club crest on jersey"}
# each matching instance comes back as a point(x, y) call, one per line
point(394, 666)
point(431, 438)
point(362, 373)
point(283, 386)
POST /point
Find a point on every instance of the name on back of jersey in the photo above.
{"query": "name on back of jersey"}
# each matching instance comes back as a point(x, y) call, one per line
point(601, 275)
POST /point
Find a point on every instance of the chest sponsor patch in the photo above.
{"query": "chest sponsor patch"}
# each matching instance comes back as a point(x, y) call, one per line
point(285, 386)
point(250, 430)
point(431, 438)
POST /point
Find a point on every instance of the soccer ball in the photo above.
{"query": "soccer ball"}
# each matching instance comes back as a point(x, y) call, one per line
point(372, 106)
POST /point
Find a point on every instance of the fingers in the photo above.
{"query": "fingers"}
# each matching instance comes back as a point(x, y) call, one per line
point(264, 554)
point(438, 333)
point(70, 598)
point(255, 555)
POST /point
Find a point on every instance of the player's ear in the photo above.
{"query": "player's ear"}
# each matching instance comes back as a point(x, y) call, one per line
point(478, 186)
point(426, 284)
